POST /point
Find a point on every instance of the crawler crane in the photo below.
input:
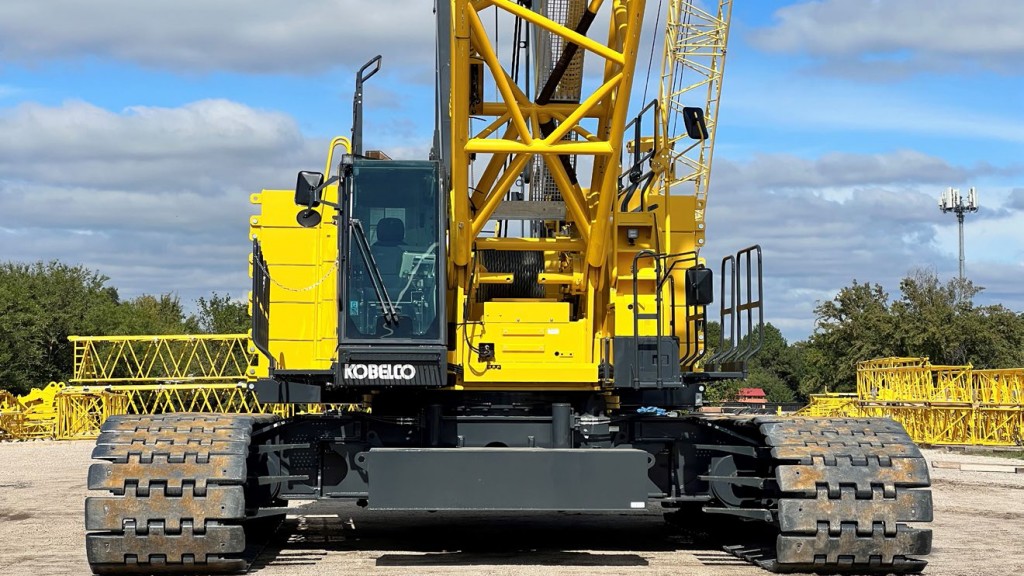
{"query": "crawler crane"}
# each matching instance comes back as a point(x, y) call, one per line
point(520, 321)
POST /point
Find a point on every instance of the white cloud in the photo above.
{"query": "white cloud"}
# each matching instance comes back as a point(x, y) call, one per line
point(198, 147)
point(836, 169)
point(145, 262)
point(155, 198)
point(886, 38)
point(301, 36)
point(825, 222)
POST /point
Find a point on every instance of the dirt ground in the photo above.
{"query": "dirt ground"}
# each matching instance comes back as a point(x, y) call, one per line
point(978, 529)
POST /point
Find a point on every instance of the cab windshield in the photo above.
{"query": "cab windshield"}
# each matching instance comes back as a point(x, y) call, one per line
point(397, 206)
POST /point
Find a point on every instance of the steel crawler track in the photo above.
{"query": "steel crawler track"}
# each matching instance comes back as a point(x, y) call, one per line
point(846, 487)
point(834, 496)
point(176, 498)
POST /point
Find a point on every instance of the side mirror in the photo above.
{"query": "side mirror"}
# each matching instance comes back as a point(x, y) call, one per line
point(693, 121)
point(308, 218)
point(307, 189)
point(700, 287)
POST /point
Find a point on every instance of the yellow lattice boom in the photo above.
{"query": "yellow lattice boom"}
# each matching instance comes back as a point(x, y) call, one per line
point(693, 61)
point(936, 404)
point(226, 397)
point(80, 412)
point(11, 418)
point(912, 380)
point(163, 358)
point(1000, 387)
point(831, 405)
point(144, 375)
point(85, 403)
point(76, 412)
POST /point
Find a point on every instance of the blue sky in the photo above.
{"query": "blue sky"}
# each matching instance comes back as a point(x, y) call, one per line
point(135, 132)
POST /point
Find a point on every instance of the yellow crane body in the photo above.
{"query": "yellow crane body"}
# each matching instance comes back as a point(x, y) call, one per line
point(520, 320)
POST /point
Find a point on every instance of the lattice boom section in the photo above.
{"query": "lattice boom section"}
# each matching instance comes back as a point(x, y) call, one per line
point(29, 416)
point(832, 406)
point(1000, 387)
point(224, 397)
point(912, 380)
point(81, 413)
point(204, 373)
point(199, 358)
point(231, 398)
point(11, 417)
point(936, 404)
point(78, 412)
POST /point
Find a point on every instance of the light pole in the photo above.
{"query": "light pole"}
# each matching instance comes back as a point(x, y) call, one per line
point(952, 201)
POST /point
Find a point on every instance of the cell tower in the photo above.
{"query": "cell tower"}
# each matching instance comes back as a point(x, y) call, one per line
point(952, 201)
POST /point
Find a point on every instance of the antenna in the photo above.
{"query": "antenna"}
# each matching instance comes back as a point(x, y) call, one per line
point(951, 201)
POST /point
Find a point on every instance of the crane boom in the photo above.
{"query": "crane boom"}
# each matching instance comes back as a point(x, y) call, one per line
point(693, 61)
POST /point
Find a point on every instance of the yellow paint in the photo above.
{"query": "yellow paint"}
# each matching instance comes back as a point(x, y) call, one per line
point(936, 404)
point(536, 346)
point(302, 264)
point(161, 358)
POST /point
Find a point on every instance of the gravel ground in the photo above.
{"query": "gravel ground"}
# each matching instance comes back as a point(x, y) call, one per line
point(978, 529)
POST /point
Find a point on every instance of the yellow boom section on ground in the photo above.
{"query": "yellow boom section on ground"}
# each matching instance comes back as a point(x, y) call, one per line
point(936, 404)
point(161, 358)
point(152, 374)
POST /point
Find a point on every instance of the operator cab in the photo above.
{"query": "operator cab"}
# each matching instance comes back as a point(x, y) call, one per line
point(391, 248)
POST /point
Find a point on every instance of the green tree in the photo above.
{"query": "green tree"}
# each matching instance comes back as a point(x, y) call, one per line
point(994, 337)
point(221, 315)
point(929, 315)
point(931, 318)
point(855, 325)
point(155, 315)
point(780, 365)
point(775, 388)
point(723, 391)
point(40, 306)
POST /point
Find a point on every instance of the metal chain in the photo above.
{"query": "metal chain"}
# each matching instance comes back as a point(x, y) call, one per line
point(307, 288)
